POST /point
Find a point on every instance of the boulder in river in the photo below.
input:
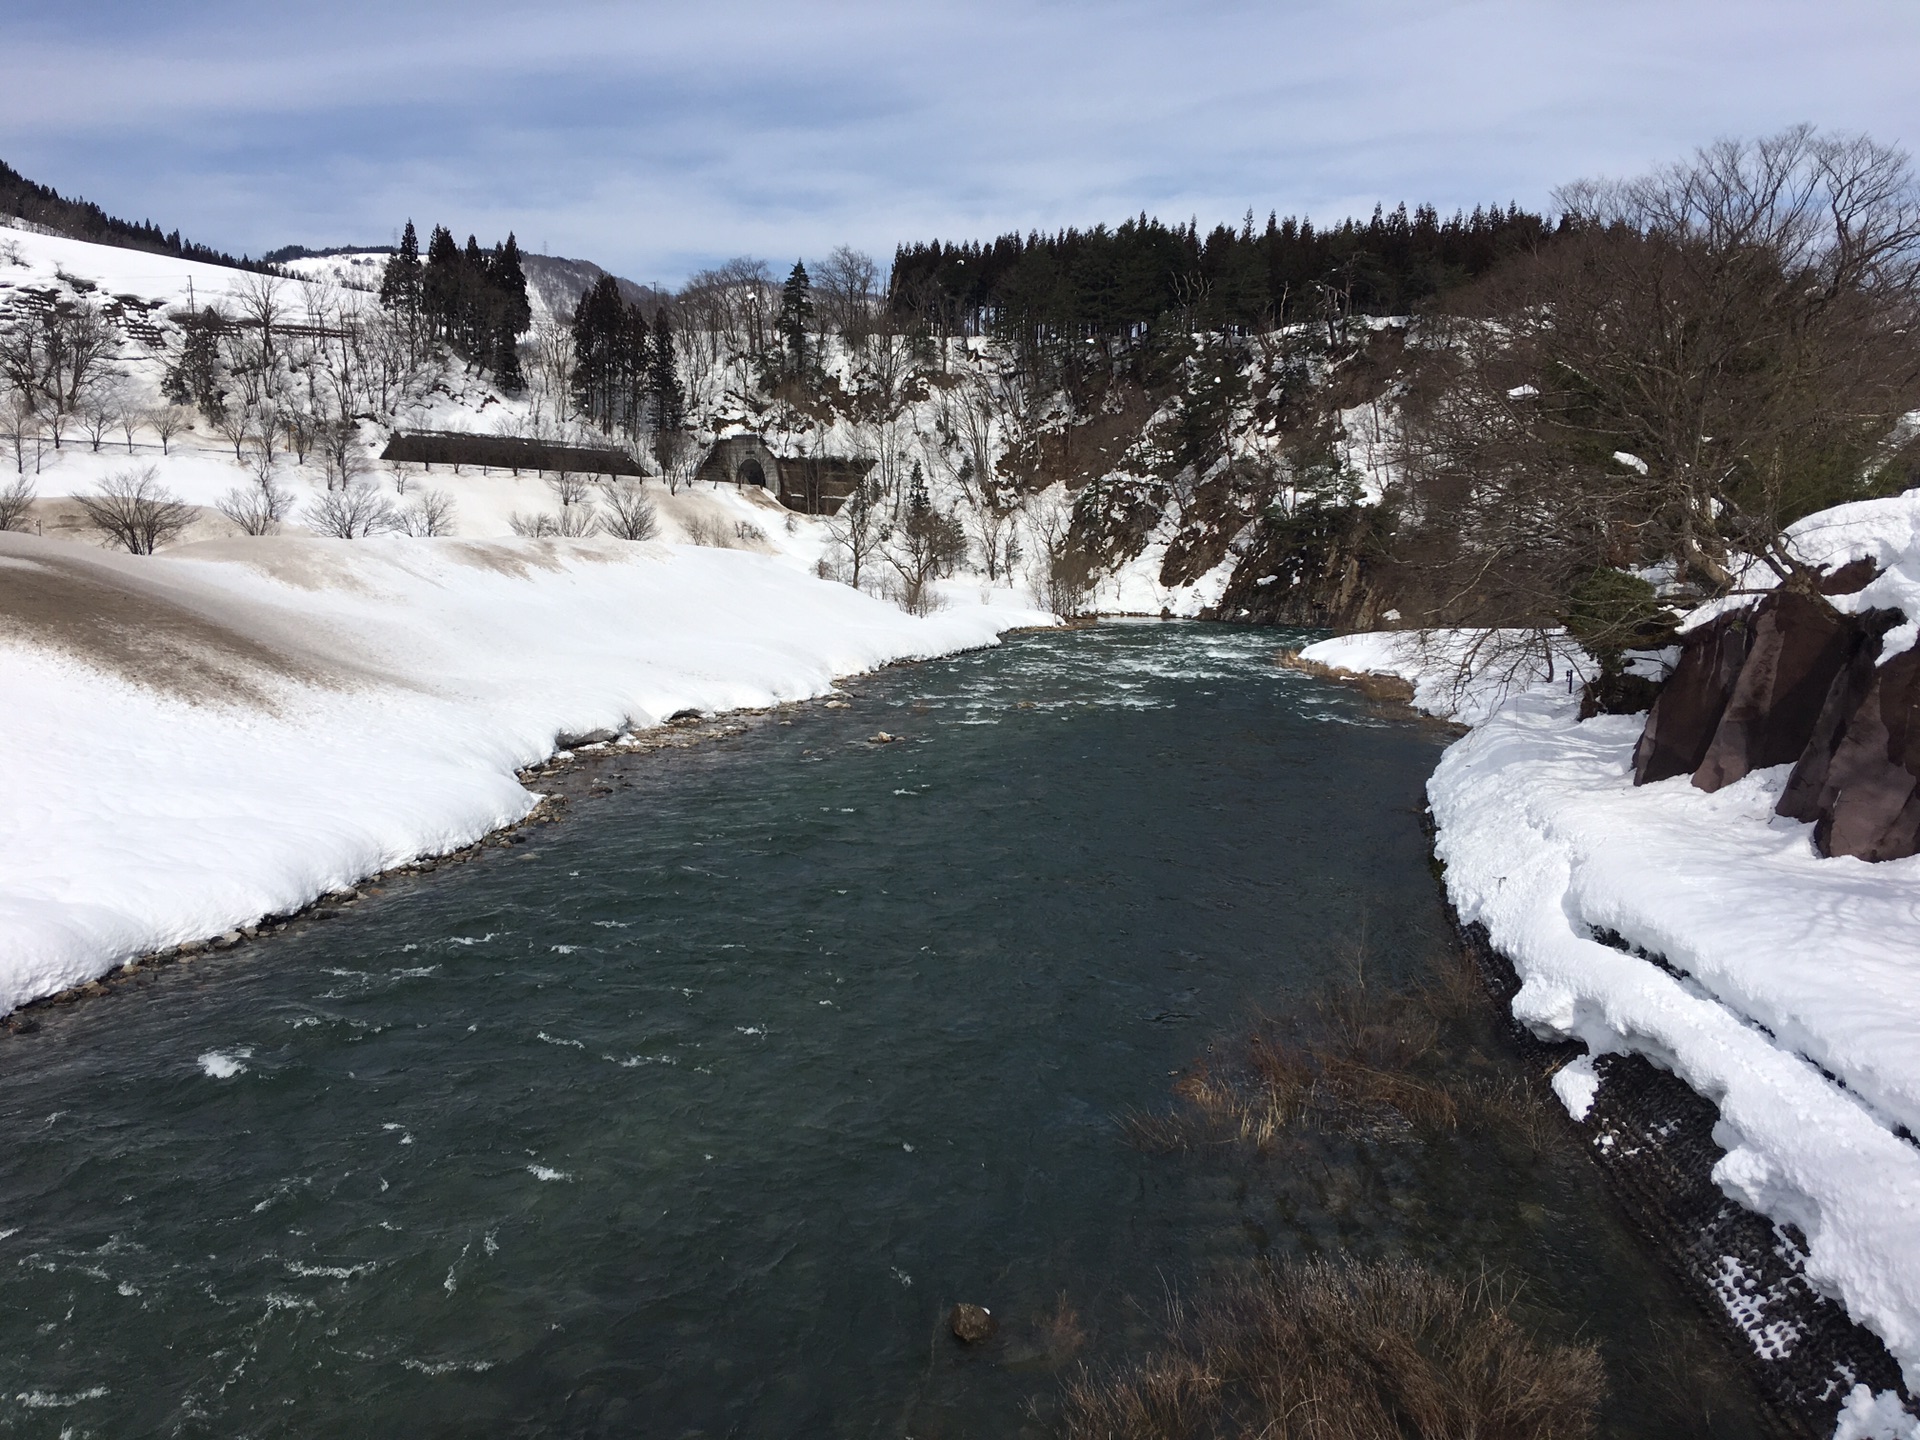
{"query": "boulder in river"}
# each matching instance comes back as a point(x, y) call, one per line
point(972, 1324)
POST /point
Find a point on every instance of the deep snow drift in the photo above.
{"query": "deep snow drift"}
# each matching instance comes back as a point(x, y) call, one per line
point(234, 728)
point(1793, 996)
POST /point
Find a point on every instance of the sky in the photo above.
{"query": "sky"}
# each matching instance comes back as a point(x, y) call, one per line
point(657, 139)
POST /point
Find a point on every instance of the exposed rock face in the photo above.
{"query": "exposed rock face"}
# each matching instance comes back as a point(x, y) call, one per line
point(1682, 722)
point(1807, 796)
point(1797, 644)
point(1868, 806)
point(1795, 681)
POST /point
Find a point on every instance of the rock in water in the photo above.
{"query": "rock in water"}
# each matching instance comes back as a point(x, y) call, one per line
point(972, 1323)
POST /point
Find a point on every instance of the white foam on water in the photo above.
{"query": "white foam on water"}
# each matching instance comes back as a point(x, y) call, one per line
point(546, 1172)
point(225, 1064)
point(48, 1400)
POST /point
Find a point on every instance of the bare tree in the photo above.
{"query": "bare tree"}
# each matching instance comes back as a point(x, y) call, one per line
point(678, 456)
point(1062, 577)
point(263, 438)
point(859, 529)
point(430, 515)
point(927, 543)
point(16, 499)
point(257, 509)
point(630, 515)
point(570, 488)
point(575, 522)
point(127, 419)
point(134, 510)
point(351, 512)
point(340, 453)
point(98, 411)
point(55, 355)
point(19, 425)
point(843, 287)
point(167, 421)
point(234, 424)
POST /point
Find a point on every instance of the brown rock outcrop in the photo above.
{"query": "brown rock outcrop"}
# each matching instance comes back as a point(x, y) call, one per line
point(1797, 644)
point(1682, 722)
point(1869, 804)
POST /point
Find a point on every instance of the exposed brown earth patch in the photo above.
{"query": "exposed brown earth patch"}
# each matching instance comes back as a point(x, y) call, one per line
point(96, 609)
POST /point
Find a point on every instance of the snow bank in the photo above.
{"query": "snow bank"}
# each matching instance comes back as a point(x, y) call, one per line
point(234, 728)
point(1460, 675)
point(1787, 964)
point(1792, 994)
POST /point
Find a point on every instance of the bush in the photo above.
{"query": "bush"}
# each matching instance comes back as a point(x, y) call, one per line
point(134, 510)
point(15, 499)
point(630, 514)
point(352, 513)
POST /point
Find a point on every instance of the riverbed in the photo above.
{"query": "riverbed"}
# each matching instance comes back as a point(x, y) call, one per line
point(694, 1114)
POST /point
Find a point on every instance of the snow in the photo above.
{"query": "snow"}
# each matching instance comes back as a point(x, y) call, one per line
point(298, 713)
point(1789, 993)
point(1460, 675)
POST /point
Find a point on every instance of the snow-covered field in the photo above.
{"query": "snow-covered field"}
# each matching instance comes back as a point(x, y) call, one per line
point(1793, 995)
point(234, 728)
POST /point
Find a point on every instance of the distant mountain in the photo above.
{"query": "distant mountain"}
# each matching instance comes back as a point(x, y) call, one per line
point(83, 220)
point(556, 284)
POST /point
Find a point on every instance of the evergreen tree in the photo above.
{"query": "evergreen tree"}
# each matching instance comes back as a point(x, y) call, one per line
point(669, 400)
point(401, 284)
point(601, 350)
point(796, 316)
point(440, 285)
point(512, 312)
point(194, 377)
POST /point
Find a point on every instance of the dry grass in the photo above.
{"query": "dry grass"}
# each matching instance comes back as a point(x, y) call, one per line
point(1358, 1060)
point(1339, 1351)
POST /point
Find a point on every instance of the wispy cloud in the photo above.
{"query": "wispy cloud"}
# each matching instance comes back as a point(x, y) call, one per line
point(658, 137)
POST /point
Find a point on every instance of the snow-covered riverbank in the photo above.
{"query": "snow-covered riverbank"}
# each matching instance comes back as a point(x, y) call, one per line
point(233, 729)
point(1788, 985)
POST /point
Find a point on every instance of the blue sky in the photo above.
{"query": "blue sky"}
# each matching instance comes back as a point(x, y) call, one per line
point(659, 138)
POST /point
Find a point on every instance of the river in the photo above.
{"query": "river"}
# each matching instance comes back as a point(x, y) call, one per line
point(695, 1113)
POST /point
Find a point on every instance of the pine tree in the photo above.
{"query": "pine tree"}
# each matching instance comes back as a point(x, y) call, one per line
point(440, 284)
point(669, 400)
point(796, 316)
point(513, 315)
point(400, 285)
point(194, 377)
point(600, 347)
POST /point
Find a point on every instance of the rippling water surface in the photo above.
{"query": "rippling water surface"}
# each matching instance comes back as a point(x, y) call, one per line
point(693, 1115)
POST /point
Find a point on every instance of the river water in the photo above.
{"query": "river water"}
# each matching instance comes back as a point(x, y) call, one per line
point(694, 1114)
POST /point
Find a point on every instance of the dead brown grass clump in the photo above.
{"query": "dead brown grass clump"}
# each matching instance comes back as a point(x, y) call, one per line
point(1340, 1351)
point(1358, 1060)
point(1361, 1059)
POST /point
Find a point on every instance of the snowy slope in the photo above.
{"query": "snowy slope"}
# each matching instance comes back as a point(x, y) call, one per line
point(235, 728)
